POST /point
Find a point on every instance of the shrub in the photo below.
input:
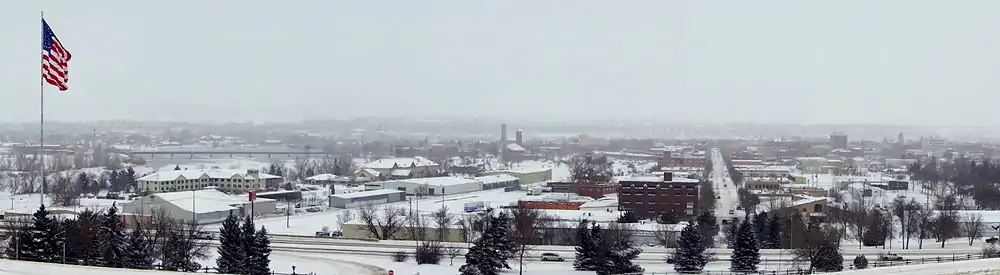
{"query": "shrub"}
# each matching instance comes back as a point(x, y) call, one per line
point(860, 262)
point(399, 256)
point(428, 253)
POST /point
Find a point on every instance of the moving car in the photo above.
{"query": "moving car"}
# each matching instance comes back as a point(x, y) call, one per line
point(549, 256)
point(889, 257)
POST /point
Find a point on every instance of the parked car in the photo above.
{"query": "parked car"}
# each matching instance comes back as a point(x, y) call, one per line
point(549, 256)
point(322, 234)
point(888, 256)
point(336, 234)
point(203, 235)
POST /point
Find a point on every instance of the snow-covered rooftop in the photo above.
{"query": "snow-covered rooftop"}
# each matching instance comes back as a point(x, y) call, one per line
point(389, 163)
point(172, 175)
point(205, 201)
point(366, 193)
point(656, 179)
point(441, 181)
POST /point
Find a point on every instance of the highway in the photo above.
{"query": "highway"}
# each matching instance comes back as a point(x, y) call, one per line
point(649, 255)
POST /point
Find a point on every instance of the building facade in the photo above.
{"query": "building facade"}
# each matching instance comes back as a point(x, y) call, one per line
point(356, 199)
point(649, 197)
point(226, 180)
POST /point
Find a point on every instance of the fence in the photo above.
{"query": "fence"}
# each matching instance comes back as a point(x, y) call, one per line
point(155, 266)
point(848, 265)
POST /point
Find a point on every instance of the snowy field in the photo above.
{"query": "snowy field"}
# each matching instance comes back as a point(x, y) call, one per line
point(33, 268)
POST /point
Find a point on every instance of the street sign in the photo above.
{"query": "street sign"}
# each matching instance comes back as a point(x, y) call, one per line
point(391, 273)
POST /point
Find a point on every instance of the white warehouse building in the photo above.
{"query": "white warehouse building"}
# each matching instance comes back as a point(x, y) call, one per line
point(204, 206)
point(436, 186)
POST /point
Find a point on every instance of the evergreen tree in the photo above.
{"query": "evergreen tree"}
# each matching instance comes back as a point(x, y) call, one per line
point(231, 254)
point(690, 253)
point(136, 254)
point(176, 168)
point(760, 223)
point(500, 237)
point(628, 217)
point(112, 240)
point(732, 231)
point(47, 238)
point(489, 254)
point(246, 242)
point(830, 259)
point(860, 262)
point(469, 270)
point(619, 257)
point(772, 238)
point(667, 218)
point(746, 252)
point(262, 252)
point(586, 249)
point(708, 227)
point(18, 246)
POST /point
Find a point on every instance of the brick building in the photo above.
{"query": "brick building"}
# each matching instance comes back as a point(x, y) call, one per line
point(593, 190)
point(649, 197)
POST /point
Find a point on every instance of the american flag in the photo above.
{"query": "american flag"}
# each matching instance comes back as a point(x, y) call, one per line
point(55, 59)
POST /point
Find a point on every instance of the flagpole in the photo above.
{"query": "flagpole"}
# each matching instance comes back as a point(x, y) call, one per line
point(41, 122)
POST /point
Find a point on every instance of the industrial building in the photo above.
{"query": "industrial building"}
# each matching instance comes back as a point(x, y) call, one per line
point(435, 186)
point(499, 181)
point(204, 206)
point(356, 199)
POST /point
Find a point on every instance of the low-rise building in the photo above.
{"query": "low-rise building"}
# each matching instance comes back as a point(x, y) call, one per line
point(203, 206)
point(226, 180)
point(356, 199)
point(398, 168)
point(435, 186)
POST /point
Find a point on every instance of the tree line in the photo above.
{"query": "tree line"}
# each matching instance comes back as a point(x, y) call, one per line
point(106, 239)
point(101, 239)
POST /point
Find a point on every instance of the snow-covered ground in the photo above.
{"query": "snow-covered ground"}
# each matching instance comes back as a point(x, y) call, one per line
point(989, 266)
point(33, 268)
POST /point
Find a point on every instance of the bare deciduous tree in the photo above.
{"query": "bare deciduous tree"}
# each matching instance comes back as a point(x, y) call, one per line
point(452, 251)
point(344, 217)
point(64, 191)
point(665, 236)
point(443, 219)
point(972, 225)
point(527, 221)
point(416, 226)
point(384, 225)
point(945, 219)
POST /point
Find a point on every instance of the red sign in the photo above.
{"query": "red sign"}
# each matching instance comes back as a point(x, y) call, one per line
point(251, 195)
point(391, 273)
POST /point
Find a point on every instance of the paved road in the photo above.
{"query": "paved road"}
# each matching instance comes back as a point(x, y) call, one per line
point(728, 199)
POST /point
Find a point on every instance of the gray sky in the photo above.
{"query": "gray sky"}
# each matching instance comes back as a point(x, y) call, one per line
point(770, 61)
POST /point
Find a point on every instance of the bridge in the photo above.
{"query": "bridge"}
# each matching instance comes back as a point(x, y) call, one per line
point(230, 153)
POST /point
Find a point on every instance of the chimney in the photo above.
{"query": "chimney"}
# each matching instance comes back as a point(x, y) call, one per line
point(668, 176)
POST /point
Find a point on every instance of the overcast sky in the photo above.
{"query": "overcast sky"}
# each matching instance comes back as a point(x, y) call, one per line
point(907, 61)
